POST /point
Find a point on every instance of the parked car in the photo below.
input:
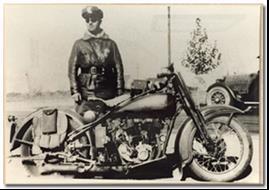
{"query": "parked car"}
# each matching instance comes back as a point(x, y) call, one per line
point(235, 90)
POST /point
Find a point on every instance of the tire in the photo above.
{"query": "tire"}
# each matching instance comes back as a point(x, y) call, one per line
point(219, 95)
point(26, 150)
point(31, 168)
point(207, 174)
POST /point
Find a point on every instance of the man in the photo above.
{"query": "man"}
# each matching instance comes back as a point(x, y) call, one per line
point(95, 65)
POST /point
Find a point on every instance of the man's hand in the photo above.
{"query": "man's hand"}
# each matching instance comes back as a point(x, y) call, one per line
point(120, 92)
point(76, 97)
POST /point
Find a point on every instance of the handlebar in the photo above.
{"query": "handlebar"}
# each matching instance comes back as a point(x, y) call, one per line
point(161, 82)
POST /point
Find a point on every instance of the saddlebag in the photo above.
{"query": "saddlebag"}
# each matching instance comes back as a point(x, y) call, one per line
point(49, 129)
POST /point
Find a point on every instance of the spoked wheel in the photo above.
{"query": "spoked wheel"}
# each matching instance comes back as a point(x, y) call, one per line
point(219, 95)
point(229, 156)
point(34, 157)
point(27, 150)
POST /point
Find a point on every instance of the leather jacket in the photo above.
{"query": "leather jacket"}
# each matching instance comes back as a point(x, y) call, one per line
point(95, 67)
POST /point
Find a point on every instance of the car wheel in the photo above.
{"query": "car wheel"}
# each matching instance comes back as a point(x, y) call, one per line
point(219, 95)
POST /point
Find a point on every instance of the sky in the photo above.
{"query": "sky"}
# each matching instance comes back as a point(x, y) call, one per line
point(38, 40)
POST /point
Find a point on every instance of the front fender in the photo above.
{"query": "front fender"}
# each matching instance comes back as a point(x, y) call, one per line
point(224, 86)
point(217, 110)
point(182, 141)
point(26, 124)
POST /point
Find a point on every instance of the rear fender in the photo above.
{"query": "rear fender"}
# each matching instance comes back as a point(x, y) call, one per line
point(26, 124)
point(185, 132)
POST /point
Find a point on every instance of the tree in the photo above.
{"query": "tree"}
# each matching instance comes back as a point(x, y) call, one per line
point(201, 56)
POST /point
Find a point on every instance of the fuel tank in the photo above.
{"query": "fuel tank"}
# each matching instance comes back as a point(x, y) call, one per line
point(151, 105)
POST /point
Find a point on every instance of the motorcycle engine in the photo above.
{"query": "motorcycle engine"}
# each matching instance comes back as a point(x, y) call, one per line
point(139, 140)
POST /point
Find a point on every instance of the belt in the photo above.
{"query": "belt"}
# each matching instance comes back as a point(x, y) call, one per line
point(94, 70)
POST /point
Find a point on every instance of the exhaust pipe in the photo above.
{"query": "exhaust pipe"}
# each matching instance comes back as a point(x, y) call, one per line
point(50, 168)
point(73, 167)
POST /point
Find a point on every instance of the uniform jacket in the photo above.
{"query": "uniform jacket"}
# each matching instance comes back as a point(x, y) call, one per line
point(95, 67)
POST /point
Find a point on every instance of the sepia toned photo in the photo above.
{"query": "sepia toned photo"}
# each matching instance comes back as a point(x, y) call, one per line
point(166, 94)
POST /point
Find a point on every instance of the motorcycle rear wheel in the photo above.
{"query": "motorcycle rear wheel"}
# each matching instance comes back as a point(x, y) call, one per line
point(232, 161)
point(27, 151)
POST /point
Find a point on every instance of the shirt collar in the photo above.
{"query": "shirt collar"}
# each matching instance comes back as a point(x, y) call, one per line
point(88, 35)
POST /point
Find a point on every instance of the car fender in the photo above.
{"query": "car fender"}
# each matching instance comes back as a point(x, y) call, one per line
point(222, 85)
point(26, 123)
point(185, 132)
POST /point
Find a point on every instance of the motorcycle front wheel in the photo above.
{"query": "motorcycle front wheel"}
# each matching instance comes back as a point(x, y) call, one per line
point(231, 154)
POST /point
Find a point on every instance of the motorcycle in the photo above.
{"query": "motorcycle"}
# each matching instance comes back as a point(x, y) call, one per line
point(140, 136)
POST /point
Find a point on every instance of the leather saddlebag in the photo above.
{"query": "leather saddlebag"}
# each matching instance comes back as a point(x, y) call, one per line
point(49, 129)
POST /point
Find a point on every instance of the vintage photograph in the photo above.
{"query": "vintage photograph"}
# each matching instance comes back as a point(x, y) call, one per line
point(133, 94)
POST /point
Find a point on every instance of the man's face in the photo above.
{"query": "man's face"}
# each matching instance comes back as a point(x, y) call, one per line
point(93, 24)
